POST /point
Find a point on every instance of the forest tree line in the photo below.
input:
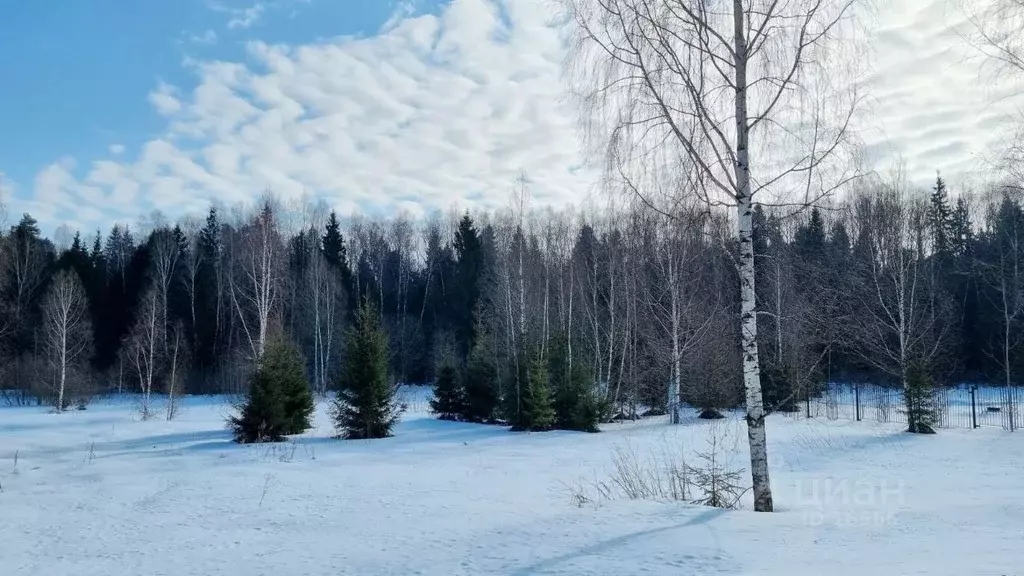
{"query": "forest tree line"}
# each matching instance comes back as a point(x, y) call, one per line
point(629, 307)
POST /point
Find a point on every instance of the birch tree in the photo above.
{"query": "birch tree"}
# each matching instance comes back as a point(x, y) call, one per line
point(897, 323)
point(324, 296)
point(717, 82)
point(191, 267)
point(996, 30)
point(177, 361)
point(68, 333)
point(675, 301)
point(1004, 274)
point(143, 348)
point(164, 255)
point(255, 279)
point(400, 238)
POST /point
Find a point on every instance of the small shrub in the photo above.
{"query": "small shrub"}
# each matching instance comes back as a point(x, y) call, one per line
point(660, 476)
point(667, 475)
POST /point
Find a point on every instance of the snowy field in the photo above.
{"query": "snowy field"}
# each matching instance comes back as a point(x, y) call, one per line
point(99, 493)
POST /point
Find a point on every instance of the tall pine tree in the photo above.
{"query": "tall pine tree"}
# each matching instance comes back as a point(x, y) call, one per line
point(207, 331)
point(940, 219)
point(469, 265)
point(333, 246)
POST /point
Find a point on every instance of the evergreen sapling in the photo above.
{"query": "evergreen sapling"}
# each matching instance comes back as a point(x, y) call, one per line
point(365, 406)
point(449, 402)
point(480, 385)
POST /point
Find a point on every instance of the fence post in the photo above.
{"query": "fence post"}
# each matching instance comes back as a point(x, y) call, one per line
point(808, 402)
point(974, 409)
point(856, 400)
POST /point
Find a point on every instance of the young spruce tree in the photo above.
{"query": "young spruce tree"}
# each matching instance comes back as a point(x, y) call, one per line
point(261, 417)
point(574, 404)
point(480, 383)
point(284, 362)
point(279, 401)
point(922, 416)
point(449, 402)
point(536, 410)
point(365, 406)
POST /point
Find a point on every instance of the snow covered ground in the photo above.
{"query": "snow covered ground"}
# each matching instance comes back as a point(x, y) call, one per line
point(98, 493)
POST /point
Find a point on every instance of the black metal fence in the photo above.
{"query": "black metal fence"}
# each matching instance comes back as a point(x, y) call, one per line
point(964, 406)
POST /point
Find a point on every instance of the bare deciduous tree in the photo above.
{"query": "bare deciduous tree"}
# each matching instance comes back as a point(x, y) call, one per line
point(143, 348)
point(164, 255)
point(68, 332)
point(1004, 274)
point(996, 30)
point(715, 82)
point(192, 228)
point(177, 362)
point(898, 323)
point(254, 281)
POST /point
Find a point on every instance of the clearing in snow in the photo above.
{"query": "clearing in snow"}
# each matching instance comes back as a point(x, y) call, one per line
point(99, 493)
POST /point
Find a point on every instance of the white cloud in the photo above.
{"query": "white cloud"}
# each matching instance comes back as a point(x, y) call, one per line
point(246, 17)
point(402, 9)
point(117, 149)
point(433, 110)
point(163, 99)
point(6, 193)
point(930, 101)
point(239, 17)
point(448, 108)
point(204, 37)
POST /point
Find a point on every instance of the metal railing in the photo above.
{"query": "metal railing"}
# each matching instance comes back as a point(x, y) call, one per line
point(963, 406)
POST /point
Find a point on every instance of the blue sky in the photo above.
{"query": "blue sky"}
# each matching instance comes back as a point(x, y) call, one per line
point(111, 109)
point(80, 71)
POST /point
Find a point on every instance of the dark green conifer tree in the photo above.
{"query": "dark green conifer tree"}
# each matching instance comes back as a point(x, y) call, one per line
point(919, 396)
point(365, 406)
point(469, 261)
point(480, 382)
point(536, 410)
point(573, 400)
point(261, 417)
point(449, 402)
point(283, 361)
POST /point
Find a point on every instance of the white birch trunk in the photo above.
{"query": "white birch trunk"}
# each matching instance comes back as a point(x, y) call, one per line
point(673, 389)
point(756, 434)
